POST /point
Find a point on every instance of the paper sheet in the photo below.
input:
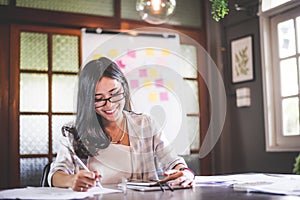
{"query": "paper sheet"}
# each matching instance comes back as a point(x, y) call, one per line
point(286, 187)
point(52, 193)
point(238, 179)
point(286, 184)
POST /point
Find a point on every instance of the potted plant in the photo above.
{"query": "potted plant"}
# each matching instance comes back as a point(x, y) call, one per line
point(219, 9)
point(296, 169)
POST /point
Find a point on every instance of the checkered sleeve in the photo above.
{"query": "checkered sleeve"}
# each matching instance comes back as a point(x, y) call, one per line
point(166, 157)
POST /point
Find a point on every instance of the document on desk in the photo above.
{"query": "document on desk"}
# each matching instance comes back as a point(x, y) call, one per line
point(218, 180)
point(286, 184)
point(236, 179)
point(52, 193)
point(285, 187)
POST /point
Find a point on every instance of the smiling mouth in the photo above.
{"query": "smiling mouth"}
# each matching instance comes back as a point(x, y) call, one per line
point(111, 111)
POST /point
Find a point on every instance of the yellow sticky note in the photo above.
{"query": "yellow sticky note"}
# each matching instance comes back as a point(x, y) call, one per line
point(170, 85)
point(165, 52)
point(97, 56)
point(153, 97)
point(153, 73)
point(147, 83)
point(149, 52)
point(113, 53)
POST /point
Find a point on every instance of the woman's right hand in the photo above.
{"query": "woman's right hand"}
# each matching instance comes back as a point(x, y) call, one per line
point(83, 180)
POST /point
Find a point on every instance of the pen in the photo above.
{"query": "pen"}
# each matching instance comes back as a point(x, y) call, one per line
point(77, 159)
point(170, 187)
point(85, 167)
point(161, 187)
point(165, 182)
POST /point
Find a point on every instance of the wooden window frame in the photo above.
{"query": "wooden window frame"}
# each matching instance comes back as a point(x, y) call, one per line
point(15, 94)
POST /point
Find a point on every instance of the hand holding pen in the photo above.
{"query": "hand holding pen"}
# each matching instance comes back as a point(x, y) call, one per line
point(91, 175)
point(84, 179)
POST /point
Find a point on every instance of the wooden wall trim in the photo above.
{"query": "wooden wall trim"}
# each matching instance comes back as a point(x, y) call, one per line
point(14, 80)
point(52, 18)
point(4, 105)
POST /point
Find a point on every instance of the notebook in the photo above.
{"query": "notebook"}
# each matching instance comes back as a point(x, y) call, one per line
point(151, 186)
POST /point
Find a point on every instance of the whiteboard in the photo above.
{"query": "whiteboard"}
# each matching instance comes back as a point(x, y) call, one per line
point(151, 65)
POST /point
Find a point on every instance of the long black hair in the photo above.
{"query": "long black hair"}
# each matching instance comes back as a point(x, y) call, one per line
point(88, 126)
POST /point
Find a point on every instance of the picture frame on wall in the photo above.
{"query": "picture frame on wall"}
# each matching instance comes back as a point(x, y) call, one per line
point(242, 59)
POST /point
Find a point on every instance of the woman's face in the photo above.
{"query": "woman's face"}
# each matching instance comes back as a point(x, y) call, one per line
point(109, 99)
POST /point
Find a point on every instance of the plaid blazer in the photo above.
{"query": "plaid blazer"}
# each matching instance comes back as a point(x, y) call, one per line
point(151, 153)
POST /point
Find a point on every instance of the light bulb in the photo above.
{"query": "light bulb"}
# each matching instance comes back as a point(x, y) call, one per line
point(155, 11)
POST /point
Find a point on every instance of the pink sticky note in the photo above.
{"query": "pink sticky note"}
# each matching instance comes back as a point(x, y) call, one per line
point(131, 53)
point(159, 83)
point(120, 63)
point(163, 96)
point(143, 72)
point(134, 84)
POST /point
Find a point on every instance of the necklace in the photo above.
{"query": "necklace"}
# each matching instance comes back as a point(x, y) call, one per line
point(123, 134)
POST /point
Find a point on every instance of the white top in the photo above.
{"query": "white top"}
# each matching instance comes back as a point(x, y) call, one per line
point(113, 163)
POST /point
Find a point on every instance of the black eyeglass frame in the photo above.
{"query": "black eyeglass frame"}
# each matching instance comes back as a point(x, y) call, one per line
point(109, 99)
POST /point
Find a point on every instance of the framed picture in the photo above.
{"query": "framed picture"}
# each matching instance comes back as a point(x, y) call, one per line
point(242, 59)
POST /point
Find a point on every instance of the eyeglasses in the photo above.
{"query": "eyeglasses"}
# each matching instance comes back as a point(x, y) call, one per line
point(113, 99)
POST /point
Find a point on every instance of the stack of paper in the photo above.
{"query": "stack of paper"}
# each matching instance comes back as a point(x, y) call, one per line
point(255, 182)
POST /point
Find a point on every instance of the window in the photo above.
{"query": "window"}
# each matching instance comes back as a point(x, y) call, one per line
point(91, 7)
point(280, 40)
point(4, 2)
point(49, 63)
point(190, 75)
point(269, 4)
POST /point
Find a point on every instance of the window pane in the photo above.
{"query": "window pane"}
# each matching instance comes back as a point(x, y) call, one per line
point(65, 53)
point(290, 116)
point(33, 134)
point(93, 7)
point(268, 4)
point(57, 123)
point(289, 77)
point(286, 37)
point(63, 88)
point(298, 32)
point(4, 2)
point(33, 92)
point(188, 67)
point(193, 130)
point(34, 51)
point(187, 14)
point(191, 102)
point(31, 171)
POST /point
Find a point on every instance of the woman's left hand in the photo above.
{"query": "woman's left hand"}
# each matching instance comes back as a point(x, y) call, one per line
point(183, 177)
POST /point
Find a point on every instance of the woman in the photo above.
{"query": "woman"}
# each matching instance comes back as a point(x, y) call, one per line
point(117, 142)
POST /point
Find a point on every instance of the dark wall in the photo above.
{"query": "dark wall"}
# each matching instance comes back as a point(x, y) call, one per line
point(241, 147)
point(4, 104)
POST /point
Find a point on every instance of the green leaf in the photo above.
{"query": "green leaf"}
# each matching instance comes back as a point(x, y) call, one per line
point(296, 169)
point(219, 9)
